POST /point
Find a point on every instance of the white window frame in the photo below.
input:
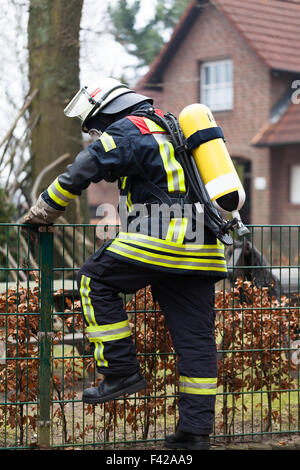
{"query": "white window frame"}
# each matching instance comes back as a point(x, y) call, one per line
point(294, 189)
point(218, 95)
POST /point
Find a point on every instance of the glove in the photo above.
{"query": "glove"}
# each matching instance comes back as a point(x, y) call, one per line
point(41, 214)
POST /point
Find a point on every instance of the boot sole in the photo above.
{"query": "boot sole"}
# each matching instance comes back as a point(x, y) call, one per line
point(137, 387)
point(185, 445)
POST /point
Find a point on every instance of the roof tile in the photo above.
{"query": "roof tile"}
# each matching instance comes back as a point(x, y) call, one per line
point(271, 27)
point(285, 131)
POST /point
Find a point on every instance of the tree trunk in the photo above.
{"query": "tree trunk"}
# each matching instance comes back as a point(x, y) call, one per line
point(53, 43)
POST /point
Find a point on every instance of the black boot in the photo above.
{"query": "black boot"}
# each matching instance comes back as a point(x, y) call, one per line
point(112, 387)
point(187, 440)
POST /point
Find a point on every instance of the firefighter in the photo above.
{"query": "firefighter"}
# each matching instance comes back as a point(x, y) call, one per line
point(136, 151)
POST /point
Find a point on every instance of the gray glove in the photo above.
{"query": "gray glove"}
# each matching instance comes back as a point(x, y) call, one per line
point(41, 214)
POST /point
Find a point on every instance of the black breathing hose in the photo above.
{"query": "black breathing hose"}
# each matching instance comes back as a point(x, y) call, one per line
point(192, 173)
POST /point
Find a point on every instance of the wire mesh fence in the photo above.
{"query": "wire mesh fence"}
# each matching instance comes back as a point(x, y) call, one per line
point(46, 361)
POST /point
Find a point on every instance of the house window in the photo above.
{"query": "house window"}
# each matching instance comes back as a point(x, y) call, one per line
point(217, 85)
point(295, 184)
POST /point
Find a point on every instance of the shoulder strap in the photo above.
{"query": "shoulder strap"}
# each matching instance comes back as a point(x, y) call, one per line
point(161, 195)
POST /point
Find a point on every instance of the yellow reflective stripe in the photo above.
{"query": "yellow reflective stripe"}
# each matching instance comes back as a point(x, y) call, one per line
point(107, 142)
point(174, 252)
point(180, 173)
point(182, 230)
point(88, 308)
point(55, 198)
point(169, 246)
point(175, 182)
point(99, 354)
point(108, 327)
point(63, 191)
point(168, 169)
point(123, 186)
point(197, 380)
point(167, 257)
point(171, 228)
point(123, 182)
point(173, 169)
point(220, 245)
point(167, 261)
point(196, 391)
point(89, 315)
point(61, 196)
point(152, 126)
point(129, 202)
point(111, 332)
point(177, 229)
point(198, 386)
point(187, 246)
point(112, 337)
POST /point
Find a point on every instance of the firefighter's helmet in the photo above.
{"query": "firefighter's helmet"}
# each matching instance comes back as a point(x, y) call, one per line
point(109, 97)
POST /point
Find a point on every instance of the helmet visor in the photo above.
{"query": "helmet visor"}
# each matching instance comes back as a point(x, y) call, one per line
point(80, 105)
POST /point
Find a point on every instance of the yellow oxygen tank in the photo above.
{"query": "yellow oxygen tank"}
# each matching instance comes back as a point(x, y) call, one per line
point(214, 162)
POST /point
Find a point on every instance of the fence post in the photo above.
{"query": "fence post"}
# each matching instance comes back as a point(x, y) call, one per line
point(45, 332)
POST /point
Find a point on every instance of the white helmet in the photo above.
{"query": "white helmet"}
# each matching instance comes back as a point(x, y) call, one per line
point(109, 97)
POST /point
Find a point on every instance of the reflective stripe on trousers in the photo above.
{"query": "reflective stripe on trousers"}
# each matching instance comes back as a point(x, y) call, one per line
point(198, 386)
point(109, 332)
point(99, 334)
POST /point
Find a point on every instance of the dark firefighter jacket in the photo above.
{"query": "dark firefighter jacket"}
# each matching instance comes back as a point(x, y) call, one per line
point(138, 153)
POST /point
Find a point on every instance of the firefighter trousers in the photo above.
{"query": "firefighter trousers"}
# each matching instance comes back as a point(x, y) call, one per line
point(187, 302)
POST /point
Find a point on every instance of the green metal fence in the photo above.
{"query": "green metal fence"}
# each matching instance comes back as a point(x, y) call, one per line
point(46, 362)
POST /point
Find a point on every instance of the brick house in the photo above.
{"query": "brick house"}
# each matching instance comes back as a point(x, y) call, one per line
point(242, 59)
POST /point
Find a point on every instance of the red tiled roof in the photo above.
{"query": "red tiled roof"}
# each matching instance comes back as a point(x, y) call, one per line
point(283, 132)
point(271, 27)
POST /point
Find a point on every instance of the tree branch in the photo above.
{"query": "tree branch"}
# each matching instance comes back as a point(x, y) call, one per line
point(25, 106)
point(38, 180)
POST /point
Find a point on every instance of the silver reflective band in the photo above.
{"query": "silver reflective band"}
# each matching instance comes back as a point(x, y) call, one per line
point(107, 141)
point(59, 194)
point(99, 355)
point(88, 309)
point(107, 335)
point(198, 386)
